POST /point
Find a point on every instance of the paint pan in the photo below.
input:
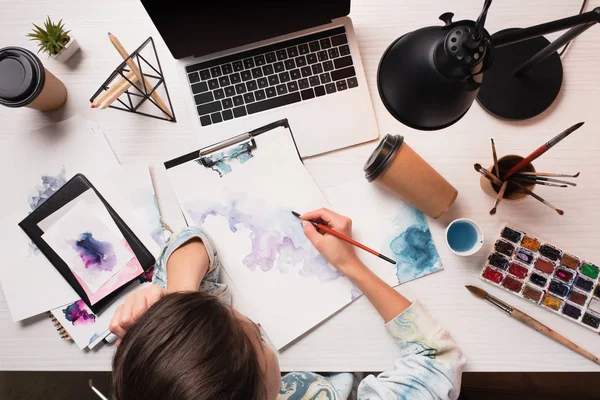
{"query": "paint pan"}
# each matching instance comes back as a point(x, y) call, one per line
point(544, 274)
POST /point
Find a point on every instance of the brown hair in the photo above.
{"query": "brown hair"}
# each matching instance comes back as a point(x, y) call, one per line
point(187, 346)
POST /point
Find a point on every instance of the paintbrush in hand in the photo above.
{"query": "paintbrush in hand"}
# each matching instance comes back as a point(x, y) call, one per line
point(542, 149)
point(338, 235)
point(532, 323)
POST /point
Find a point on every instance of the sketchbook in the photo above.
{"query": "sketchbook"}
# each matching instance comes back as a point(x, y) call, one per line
point(242, 192)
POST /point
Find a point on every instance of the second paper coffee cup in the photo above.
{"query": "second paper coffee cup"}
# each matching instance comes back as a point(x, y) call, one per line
point(24, 82)
point(396, 167)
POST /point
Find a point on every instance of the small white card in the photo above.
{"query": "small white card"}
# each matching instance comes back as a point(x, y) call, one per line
point(88, 243)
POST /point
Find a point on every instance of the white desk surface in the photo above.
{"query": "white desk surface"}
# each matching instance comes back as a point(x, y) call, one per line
point(354, 339)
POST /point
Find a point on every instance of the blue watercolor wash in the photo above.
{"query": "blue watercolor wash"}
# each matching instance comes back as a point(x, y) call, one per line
point(221, 162)
point(414, 249)
point(462, 236)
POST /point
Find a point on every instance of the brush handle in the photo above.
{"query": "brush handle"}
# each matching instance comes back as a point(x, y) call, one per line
point(544, 330)
point(327, 229)
point(538, 152)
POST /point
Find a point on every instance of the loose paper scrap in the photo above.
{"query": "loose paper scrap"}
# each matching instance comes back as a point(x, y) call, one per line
point(36, 164)
point(392, 227)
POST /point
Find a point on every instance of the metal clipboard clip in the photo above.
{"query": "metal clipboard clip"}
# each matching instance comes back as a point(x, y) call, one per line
point(245, 141)
point(209, 156)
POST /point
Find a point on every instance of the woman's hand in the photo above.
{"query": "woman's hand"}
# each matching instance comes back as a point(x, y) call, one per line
point(135, 305)
point(338, 252)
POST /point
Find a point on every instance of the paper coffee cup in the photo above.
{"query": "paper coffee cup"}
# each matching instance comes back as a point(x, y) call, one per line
point(395, 166)
point(24, 82)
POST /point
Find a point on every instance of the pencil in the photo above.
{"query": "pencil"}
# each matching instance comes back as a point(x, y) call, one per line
point(116, 91)
point(108, 92)
point(115, 42)
point(542, 149)
point(327, 229)
point(531, 322)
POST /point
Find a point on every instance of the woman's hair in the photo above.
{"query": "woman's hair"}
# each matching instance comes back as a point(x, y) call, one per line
point(187, 346)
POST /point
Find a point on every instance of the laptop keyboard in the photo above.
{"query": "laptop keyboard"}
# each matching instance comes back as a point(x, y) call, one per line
point(272, 76)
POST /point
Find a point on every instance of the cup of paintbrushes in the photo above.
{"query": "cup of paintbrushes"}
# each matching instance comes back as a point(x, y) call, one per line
point(512, 192)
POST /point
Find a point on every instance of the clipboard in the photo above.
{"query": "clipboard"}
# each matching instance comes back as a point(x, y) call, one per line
point(68, 192)
point(247, 139)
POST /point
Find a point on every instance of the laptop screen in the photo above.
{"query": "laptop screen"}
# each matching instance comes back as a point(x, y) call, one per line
point(196, 28)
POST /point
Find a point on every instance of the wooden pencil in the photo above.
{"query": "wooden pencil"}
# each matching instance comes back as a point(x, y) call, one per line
point(121, 50)
point(108, 92)
point(117, 90)
point(531, 322)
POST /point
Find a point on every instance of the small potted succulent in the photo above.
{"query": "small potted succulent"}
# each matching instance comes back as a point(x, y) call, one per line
point(54, 40)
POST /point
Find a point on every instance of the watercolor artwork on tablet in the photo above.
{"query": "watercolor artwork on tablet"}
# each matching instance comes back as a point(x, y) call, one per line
point(245, 206)
point(92, 247)
point(393, 227)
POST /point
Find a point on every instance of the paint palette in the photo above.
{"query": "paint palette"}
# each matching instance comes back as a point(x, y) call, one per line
point(546, 275)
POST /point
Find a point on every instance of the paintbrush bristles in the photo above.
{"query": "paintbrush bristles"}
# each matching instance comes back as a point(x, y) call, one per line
point(476, 291)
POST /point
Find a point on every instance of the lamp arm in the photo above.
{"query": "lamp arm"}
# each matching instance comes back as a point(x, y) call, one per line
point(514, 36)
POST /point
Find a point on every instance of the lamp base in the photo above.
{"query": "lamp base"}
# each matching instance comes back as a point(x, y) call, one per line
point(516, 98)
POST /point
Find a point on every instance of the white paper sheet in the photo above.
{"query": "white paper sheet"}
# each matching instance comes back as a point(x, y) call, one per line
point(35, 165)
point(89, 242)
point(390, 226)
point(288, 287)
point(128, 189)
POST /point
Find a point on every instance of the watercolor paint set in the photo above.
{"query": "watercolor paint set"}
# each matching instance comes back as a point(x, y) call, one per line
point(542, 273)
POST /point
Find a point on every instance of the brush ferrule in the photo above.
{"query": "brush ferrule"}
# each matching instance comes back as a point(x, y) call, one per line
point(499, 303)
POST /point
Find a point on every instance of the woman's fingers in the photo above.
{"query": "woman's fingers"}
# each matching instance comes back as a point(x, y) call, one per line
point(115, 324)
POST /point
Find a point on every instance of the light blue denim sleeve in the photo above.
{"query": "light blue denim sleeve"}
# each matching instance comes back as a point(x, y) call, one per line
point(430, 366)
point(210, 284)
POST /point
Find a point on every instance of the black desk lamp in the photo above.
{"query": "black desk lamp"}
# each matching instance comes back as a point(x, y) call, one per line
point(428, 78)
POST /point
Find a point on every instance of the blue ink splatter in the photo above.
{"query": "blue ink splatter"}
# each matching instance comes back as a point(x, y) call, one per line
point(96, 255)
point(50, 185)
point(77, 314)
point(221, 162)
point(277, 238)
point(413, 248)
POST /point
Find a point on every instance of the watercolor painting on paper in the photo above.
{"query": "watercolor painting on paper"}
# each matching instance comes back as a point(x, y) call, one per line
point(411, 245)
point(277, 240)
point(93, 251)
point(222, 162)
point(394, 228)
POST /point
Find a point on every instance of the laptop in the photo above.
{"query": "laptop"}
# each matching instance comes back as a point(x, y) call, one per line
point(246, 64)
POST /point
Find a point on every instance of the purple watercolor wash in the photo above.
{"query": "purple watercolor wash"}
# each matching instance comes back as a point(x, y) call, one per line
point(77, 314)
point(50, 185)
point(96, 255)
point(277, 238)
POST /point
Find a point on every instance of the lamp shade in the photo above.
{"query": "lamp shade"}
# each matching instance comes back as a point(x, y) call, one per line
point(427, 78)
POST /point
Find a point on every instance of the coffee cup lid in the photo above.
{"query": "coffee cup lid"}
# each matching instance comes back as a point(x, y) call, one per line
point(382, 156)
point(22, 76)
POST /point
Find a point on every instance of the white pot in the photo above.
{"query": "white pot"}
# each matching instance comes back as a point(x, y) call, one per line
point(66, 53)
